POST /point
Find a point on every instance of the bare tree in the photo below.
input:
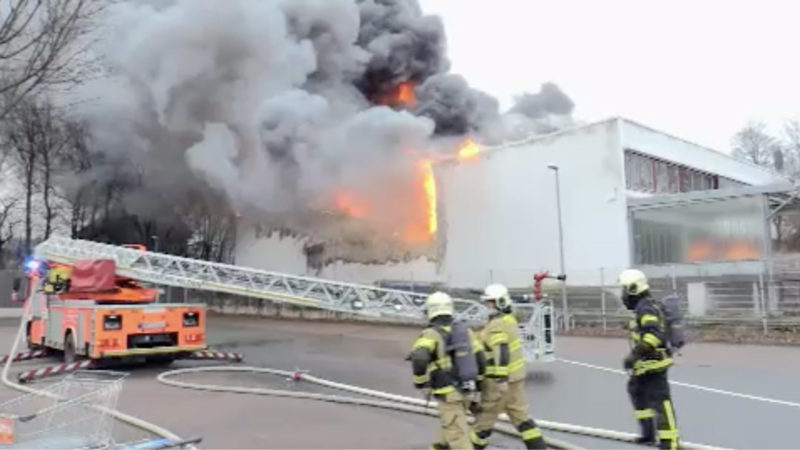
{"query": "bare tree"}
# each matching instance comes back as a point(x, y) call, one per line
point(7, 225)
point(790, 141)
point(43, 43)
point(78, 186)
point(755, 145)
point(212, 225)
point(36, 135)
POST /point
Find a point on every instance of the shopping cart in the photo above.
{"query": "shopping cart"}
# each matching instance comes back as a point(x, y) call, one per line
point(69, 414)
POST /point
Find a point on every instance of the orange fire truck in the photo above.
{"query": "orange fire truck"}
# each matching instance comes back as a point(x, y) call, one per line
point(86, 310)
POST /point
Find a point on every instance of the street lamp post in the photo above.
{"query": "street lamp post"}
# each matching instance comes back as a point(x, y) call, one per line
point(554, 168)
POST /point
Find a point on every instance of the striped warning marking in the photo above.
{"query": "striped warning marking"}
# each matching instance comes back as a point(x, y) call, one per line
point(54, 370)
point(24, 356)
point(208, 354)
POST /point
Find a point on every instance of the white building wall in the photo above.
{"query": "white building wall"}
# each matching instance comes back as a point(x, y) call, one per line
point(501, 217)
point(649, 141)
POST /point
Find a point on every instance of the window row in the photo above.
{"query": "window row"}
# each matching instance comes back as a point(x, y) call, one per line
point(647, 174)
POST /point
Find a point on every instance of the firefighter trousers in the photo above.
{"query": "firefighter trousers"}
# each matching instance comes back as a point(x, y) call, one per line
point(652, 404)
point(514, 403)
point(455, 430)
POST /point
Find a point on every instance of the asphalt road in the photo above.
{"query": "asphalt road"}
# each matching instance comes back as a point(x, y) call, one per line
point(727, 395)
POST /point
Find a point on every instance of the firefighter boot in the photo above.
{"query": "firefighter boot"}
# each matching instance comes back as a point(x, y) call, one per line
point(531, 435)
point(648, 428)
point(480, 439)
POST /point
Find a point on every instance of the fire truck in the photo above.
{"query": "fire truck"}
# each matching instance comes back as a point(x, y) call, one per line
point(87, 310)
point(94, 317)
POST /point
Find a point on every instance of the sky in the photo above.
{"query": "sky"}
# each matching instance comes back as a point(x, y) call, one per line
point(698, 70)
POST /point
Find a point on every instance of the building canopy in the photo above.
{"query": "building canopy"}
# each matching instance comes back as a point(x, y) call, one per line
point(736, 224)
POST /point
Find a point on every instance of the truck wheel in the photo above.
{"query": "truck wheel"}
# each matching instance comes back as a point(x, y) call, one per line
point(69, 349)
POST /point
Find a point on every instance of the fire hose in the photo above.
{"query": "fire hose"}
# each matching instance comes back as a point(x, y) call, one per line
point(390, 401)
point(122, 417)
point(387, 400)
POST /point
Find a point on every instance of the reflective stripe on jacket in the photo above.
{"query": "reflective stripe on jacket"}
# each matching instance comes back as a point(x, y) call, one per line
point(648, 327)
point(503, 346)
point(432, 366)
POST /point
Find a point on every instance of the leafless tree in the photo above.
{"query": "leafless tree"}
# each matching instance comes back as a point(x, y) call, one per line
point(212, 224)
point(7, 225)
point(790, 141)
point(43, 43)
point(78, 188)
point(36, 135)
point(755, 145)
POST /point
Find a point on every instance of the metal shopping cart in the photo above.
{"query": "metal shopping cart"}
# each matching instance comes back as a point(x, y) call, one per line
point(69, 414)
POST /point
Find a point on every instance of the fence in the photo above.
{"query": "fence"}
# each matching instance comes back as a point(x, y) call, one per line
point(760, 299)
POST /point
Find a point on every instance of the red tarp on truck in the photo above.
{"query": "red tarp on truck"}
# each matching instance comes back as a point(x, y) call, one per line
point(94, 275)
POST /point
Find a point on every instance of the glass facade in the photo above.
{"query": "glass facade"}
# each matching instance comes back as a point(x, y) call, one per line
point(725, 230)
point(644, 173)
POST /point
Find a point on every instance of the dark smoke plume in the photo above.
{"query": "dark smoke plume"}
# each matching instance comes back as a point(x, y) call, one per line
point(404, 45)
point(454, 106)
point(275, 104)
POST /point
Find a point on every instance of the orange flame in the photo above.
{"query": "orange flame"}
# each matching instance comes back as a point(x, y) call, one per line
point(468, 150)
point(402, 95)
point(429, 184)
point(348, 204)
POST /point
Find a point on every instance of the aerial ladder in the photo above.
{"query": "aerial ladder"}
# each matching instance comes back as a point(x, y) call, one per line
point(336, 296)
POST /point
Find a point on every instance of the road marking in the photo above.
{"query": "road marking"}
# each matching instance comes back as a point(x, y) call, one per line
point(692, 386)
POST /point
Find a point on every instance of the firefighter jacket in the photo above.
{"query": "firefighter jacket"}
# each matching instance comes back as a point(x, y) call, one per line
point(431, 365)
point(648, 338)
point(503, 346)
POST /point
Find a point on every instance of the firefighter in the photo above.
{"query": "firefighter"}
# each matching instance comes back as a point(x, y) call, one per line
point(648, 362)
point(433, 369)
point(504, 384)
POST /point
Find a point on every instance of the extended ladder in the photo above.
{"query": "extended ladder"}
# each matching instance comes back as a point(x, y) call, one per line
point(189, 273)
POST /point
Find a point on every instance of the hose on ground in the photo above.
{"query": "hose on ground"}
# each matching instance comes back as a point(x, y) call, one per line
point(505, 428)
point(122, 417)
point(392, 401)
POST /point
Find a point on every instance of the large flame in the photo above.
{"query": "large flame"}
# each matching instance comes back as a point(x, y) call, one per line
point(401, 95)
point(429, 184)
point(468, 150)
point(420, 198)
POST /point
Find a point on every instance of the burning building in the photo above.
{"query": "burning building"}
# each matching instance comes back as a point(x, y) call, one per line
point(496, 212)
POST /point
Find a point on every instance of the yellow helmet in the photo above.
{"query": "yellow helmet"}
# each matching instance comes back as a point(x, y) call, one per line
point(438, 304)
point(632, 282)
point(499, 294)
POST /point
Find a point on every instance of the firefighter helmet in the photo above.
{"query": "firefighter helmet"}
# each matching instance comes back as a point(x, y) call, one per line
point(498, 294)
point(633, 282)
point(438, 304)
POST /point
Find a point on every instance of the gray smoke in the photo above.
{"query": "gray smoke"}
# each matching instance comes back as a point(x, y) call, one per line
point(547, 111)
point(454, 106)
point(549, 100)
point(276, 103)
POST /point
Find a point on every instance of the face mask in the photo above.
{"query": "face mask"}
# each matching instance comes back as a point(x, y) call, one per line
point(628, 300)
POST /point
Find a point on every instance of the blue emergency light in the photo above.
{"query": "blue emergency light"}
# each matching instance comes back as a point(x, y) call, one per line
point(33, 265)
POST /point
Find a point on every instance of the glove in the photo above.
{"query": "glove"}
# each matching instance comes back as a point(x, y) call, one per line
point(475, 408)
point(628, 362)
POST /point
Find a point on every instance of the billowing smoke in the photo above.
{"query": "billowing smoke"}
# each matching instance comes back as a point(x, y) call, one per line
point(548, 110)
point(280, 104)
point(455, 107)
point(404, 45)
